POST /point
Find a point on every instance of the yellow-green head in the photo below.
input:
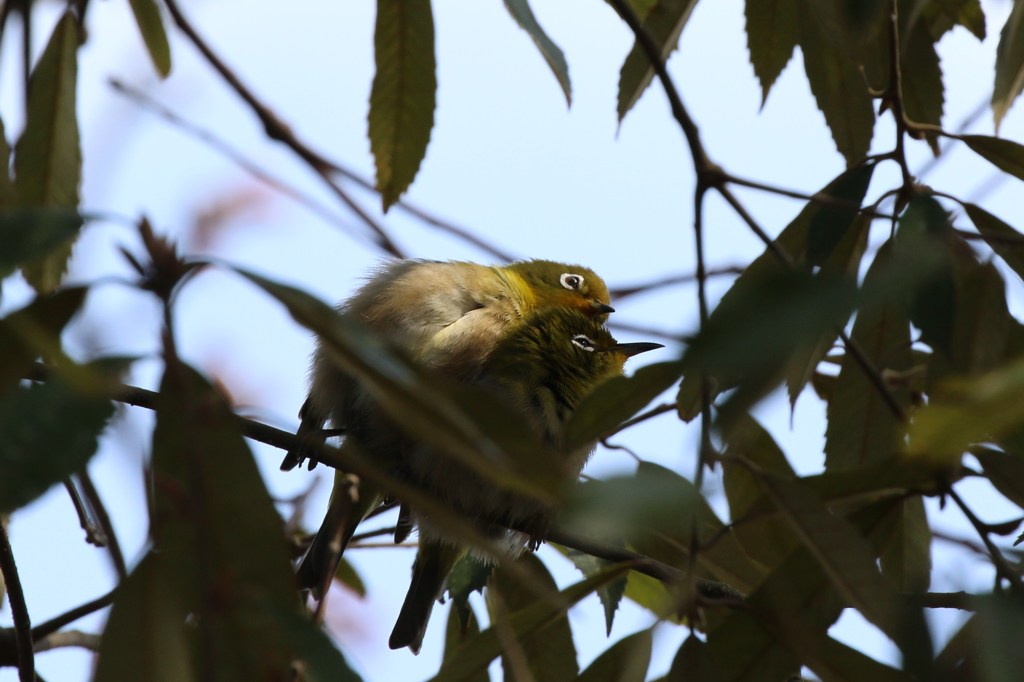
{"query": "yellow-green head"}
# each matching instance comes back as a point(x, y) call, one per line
point(561, 285)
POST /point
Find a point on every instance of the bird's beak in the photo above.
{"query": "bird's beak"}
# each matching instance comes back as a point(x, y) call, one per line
point(631, 349)
point(602, 308)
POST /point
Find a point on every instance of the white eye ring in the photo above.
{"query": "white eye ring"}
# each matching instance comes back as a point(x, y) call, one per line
point(584, 342)
point(571, 281)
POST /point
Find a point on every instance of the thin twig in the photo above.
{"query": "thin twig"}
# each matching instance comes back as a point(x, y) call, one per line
point(277, 130)
point(1003, 569)
point(19, 610)
point(619, 293)
point(86, 519)
point(56, 623)
point(92, 496)
point(69, 638)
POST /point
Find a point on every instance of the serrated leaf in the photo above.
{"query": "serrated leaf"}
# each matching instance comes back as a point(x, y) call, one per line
point(48, 157)
point(921, 79)
point(521, 12)
point(402, 98)
point(862, 427)
point(460, 422)
point(940, 17)
point(224, 546)
point(611, 594)
point(478, 652)
point(907, 559)
point(546, 653)
point(1005, 155)
point(664, 22)
point(618, 399)
point(772, 34)
point(983, 326)
point(625, 661)
point(836, 81)
point(29, 234)
point(49, 431)
point(151, 26)
point(1001, 236)
point(1009, 65)
point(1005, 470)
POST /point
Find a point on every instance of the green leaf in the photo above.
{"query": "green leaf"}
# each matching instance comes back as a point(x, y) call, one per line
point(151, 26)
point(921, 79)
point(692, 663)
point(468, 576)
point(943, 16)
point(654, 595)
point(997, 654)
point(545, 653)
point(458, 632)
point(1000, 235)
point(49, 431)
point(462, 423)
point(478, 652)
point(1009, 66)
point(34, 331)
point(611, 594)
point(664, 22)
point(862, 428)
point(842, 553)
point(922, 240)
point(521, 12)
point(145, 633)
point(402, 98)
point(347, 575)
point(907, 558)
point(836, 81)
point(1006, 155)
point(616, 400)
point(625, 661)
point(772, 33)
point(224, 545)
point(29, 234)
point(48, 157)
point(1005, 470)
point(983, 327)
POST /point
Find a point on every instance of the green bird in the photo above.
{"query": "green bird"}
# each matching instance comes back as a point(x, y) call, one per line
point(543, 369)
point(446, 315)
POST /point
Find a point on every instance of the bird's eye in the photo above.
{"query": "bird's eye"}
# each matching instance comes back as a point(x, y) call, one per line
point(584, 342)
point(571, 281)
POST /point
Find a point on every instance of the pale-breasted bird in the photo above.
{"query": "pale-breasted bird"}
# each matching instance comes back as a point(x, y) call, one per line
point(447, 316)
point(544, 368)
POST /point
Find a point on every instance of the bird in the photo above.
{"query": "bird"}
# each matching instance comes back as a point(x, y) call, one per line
point(447, 316)
point(543, 370)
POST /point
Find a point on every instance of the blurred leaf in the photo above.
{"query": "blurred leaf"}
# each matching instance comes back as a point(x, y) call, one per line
point(611, 594)
point(772, 33)
point(692, 663)
point(223, 542)
point(414, 399)
point(34, 331)
point(768, 540)
point(999, 622)
point(29, 234)
point(966, 411)
point(476, 653)
point(943, 16)
point(664, 22)
point(1001, 235)
point(921, 78)
point(984, 328)
point(836, 81)
point(457, 633)
point(545, 653)
point(625, 661)
point(48, 158)
point(7, 194)
point(862, 428)
point(655, 596)
point(402, 98)
point(347, 575)
point(907, 558)
point(469, 575)
point(47, 432)
point(1005, 155)
point(839, 549)
point(151, 26)
point(831, 226)
point(1009, 67)
point(750, 341)
point(1005, 470)
point(616, 400)
point(521, 12)
point(148, 610)
point(923, 243)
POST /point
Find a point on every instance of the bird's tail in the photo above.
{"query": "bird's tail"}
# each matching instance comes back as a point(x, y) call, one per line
point(430, 572)
point(351, 500)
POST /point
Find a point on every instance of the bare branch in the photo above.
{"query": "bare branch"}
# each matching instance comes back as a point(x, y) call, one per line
point(19, 611)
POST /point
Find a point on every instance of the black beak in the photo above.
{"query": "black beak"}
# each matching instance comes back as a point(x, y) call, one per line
point(603, 308)
point(631, 349)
